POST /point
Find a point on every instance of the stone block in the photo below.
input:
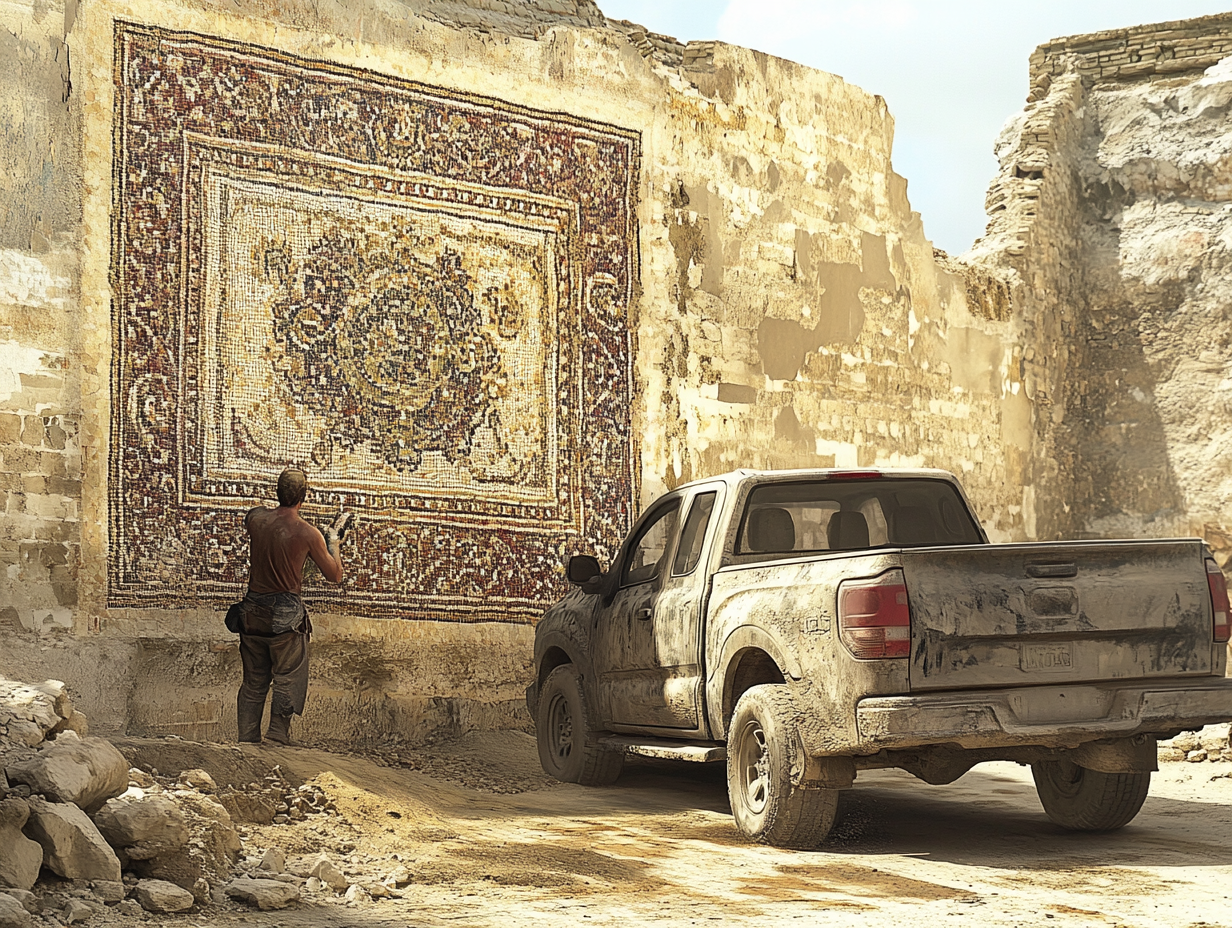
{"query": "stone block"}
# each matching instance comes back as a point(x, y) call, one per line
point(108, 891)
point(72, 846)
point(264, 894)
point(161, 897)
point(144, 826)
point(86, 773)
point(20, 858)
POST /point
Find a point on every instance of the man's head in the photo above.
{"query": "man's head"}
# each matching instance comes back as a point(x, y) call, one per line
point(292, 487)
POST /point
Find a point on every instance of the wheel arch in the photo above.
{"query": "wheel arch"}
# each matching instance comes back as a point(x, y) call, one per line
point(749, 657)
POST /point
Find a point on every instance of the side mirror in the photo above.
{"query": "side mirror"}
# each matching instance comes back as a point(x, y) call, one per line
point(582, 568)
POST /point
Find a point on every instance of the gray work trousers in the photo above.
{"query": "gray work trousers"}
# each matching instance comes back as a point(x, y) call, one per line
point(281, 660)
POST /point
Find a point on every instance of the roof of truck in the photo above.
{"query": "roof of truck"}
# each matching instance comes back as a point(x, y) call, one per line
point(829, 473)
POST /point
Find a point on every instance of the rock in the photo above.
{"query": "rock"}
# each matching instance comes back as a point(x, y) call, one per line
point(313, 885)
point(78, 910)
point(264, 894)
point(24, 732)
point(72, 846)
point(21, 858)
point(108, 890)
point(355, 894)
point(64, 737)
point(28, 900)
point(129, 907)
point(274, 860)
point(144, 827)
point(86, 773)
point(1171, 754)
point(12, 915)
point(1186, 741)
point(1196, 756)
point(247, 807)
point(161, 897)
point(199, 780)
point(399, 876)
point(325, 871)
point(139, 778)
point(76, 723)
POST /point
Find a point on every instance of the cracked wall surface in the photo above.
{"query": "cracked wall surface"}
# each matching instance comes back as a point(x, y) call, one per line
point(787, 311)
point(1114, 210)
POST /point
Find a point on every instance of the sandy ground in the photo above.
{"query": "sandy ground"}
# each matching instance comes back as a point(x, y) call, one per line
point(660, 847)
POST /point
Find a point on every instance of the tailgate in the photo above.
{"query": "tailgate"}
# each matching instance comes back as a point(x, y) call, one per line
point(1062, 612)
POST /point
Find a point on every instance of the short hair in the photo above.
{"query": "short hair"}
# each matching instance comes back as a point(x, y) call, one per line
point(292, 487)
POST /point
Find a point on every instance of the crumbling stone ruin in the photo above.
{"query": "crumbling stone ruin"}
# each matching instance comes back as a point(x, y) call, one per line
point(666, 259)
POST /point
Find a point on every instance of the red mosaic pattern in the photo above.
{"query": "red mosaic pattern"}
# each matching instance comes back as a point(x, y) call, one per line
point(418, 296)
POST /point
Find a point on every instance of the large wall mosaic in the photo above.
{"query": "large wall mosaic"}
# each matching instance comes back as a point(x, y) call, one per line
point(417, 295)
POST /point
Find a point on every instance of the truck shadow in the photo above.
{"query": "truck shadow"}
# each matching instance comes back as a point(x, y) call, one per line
point(986, 819)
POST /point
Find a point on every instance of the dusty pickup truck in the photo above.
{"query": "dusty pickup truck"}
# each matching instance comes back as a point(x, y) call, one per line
point(807, 625)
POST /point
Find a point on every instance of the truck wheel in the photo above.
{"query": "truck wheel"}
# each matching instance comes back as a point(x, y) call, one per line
point(762, 747)
point(568, 743)
point(1086, 800)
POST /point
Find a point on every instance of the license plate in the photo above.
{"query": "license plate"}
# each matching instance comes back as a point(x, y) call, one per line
point(1048, 658)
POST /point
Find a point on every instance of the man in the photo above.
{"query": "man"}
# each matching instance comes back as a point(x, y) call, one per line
point(274, 625)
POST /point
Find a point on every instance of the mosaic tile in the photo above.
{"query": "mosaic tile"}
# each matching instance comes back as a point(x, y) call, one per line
point(419, 296)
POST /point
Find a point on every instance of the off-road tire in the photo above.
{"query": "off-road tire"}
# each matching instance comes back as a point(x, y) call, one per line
point(1081, 799)
point(763, 745)
point(568, 742)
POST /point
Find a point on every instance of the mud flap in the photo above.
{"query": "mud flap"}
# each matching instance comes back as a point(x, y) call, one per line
point(823, 772)
point(1118, 755)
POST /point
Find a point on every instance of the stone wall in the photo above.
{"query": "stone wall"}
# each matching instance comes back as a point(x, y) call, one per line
point(1113, 208)
point(1149, 51)
point(771, 301)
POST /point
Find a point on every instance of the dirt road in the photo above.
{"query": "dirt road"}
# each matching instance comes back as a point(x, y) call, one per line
point(660, 847)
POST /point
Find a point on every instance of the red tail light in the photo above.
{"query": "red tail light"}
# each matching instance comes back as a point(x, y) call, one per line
point(874, 618)
point(1219, 600)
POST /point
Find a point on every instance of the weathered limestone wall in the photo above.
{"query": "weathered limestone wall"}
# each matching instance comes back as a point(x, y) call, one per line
point(1114, 208)
point(784, 308)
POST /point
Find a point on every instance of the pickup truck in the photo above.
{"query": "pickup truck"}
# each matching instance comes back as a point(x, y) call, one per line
point(806, 625)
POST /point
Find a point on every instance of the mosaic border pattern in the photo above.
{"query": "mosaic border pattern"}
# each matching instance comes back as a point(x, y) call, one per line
point(190, 107)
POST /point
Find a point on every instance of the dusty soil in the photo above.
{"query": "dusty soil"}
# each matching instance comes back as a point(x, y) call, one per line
point(660, 847)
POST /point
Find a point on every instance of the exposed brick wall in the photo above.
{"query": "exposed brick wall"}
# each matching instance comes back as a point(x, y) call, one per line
point(1141, 51)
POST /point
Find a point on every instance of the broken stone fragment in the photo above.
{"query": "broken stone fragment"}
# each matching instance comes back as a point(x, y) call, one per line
point(144, 826)
point(12, 915)
point(78, 910)
point(86, 773)
point(325, 871)
point(274, 860)
point(129, 907)
point(264, 894)
point(72, 845)
point(20, 858)
point(199, 780)
point(161, 897)
point(108, 890)
point(25, 732)
point(28, 900)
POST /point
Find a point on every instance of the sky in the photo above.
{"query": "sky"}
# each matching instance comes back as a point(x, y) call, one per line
point(952, 71)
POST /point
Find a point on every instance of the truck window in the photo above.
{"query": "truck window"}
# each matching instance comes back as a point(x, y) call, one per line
point(689, 551)
point(851, 515)
point(648, 547)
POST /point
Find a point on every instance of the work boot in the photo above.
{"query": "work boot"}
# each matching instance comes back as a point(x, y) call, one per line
point(248, 719)
point(279, 729)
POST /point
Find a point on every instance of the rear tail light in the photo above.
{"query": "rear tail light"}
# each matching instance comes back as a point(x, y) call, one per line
point(1219, 600)
point(874, 618)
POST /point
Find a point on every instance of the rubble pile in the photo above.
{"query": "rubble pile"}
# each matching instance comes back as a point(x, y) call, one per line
point(1209, 744)
point(81, 831)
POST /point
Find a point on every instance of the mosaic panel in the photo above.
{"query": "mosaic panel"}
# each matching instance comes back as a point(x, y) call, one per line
point(418, 296)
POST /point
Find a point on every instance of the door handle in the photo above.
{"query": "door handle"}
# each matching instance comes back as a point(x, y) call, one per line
point(644, 615)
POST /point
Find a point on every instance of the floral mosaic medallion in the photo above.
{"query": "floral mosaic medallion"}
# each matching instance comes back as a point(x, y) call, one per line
point(418, 296)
